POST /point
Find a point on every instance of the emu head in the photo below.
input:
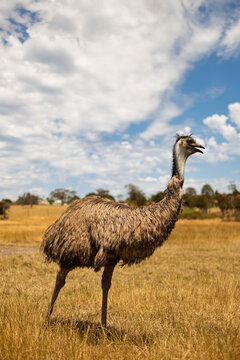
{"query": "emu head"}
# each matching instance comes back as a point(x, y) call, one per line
point(183, 148)
point(187, 145)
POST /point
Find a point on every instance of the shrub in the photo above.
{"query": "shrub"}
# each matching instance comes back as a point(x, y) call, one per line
point(4, 207)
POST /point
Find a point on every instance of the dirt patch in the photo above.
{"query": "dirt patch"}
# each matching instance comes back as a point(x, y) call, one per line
point(17, 250)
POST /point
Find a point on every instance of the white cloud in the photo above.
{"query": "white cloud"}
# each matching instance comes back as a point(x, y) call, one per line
point(230, 44)
point(223, 125)
point(219, 123)
point(234, 113)
point(106, 66)
point(161, 125)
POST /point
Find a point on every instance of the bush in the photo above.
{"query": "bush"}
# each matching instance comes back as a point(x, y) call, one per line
point(136, 197)
point(4, 207)
point(157, 197)
point(27, 199)
point(102, 193)
point(66, 196)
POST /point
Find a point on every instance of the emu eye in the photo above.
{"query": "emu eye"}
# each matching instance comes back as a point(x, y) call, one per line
point(191, 144)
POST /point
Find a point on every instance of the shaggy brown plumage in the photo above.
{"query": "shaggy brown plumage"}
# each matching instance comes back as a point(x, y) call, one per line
point(93, 230)
point(96, 232)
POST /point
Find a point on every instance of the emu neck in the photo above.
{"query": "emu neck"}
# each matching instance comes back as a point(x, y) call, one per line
point(179, 161)
point(168, 208)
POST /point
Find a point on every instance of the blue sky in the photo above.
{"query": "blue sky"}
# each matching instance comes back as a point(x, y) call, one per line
point(93, 93)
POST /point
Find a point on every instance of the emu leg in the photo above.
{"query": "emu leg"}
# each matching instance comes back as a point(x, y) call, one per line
point(60, 282)
point(106, 284)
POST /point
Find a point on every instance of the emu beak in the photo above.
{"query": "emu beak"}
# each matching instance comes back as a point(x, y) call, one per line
point(196, 146)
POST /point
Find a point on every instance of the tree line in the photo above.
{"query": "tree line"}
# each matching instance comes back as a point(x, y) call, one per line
point(195, 204)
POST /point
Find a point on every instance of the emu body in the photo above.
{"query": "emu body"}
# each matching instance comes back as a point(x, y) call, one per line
point(95, 232)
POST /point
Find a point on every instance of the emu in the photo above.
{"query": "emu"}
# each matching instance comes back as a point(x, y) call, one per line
point(96, 232)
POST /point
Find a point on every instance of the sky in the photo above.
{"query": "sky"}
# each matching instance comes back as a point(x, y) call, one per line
point(92, 94)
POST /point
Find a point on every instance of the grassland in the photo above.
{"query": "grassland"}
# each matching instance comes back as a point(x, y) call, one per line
point(182, 303)
point(27, 224)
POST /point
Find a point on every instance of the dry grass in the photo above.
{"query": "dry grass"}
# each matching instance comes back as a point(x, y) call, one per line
point(182, 303)
point(27, 224)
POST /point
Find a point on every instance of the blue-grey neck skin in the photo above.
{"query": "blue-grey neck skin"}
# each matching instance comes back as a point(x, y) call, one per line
point(179, 161)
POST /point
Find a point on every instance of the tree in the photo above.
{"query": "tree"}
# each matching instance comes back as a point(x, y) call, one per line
point(28, 199)
point(191, 191)
point(135, 195)
point(233, 188)
point(74, 198)
point(223, 202)
point(157, 197)
point(236, 205)
point(190, 197)
point(207, 190)
point(190, 200)
point(203, 202)
point(50, 200)
point(120, 198)
point(208, 193)
point(7, 201)
point(4, 206)
point(66, 196)
point(102, 193)
point(105, 194)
